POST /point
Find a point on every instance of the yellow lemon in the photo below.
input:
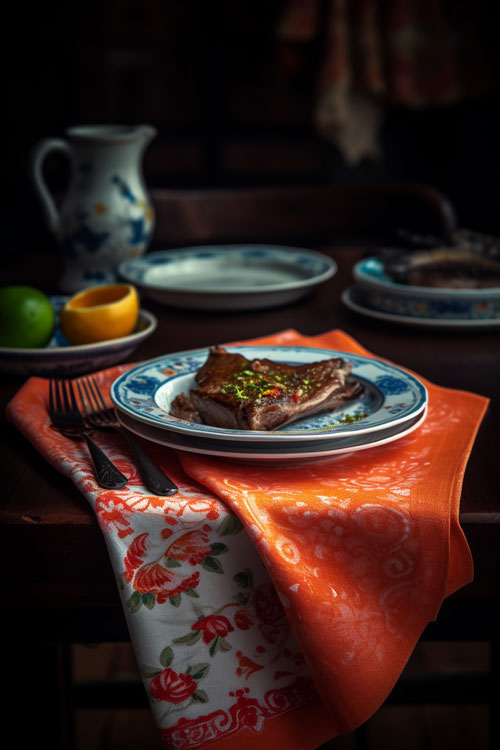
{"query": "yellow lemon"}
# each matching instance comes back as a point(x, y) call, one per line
point(27, 318)
point(100, 313)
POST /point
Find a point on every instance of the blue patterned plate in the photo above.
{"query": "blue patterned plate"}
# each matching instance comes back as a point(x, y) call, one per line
point(380, 293)
point(357, 300)
point(391, 396)
point(228, 277)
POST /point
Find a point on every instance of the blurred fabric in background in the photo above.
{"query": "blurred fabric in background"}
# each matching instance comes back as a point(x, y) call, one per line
point(413, 53)
point(261, 92)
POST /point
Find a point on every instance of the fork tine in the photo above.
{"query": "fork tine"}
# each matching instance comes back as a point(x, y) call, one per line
point(92, 405)
point(51, 399)
point(104, 412)
point(57, 390)
point(74, 405)
point(82, 390)
point(65, 400)
point(70, 402)
point(98, 393)
point(57, 412)
point(98, 404)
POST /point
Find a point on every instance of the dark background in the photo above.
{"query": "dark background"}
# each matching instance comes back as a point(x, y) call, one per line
point(207, 75)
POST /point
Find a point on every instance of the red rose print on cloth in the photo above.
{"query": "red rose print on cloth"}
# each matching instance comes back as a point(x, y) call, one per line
point(192, 547)
point(242, 620)
point(267, 604)
point(161, 574)
point(155, 579)
point(135, 555)
point(172, 687)
point(268, 609)
point(213, 626)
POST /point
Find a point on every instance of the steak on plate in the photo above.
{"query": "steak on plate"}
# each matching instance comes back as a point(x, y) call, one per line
point(234, 392)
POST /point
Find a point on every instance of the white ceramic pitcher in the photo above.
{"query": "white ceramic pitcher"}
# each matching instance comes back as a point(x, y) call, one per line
point(106, 215)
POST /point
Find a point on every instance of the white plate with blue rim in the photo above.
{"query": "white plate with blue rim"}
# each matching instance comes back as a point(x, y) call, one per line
point(359, 302)
point(228, 277)
point(391, 396)
point(59, 357)
point(275, 452)
point(445, 306)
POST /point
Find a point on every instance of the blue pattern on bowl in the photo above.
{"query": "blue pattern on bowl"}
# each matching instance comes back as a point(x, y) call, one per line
point(379, 292)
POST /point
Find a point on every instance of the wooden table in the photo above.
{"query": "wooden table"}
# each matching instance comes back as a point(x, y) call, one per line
point(58, 566)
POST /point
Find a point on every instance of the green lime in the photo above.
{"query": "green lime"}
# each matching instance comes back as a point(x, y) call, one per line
point(27, 318)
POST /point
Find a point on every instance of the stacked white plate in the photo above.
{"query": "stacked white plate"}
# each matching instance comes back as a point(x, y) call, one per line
point(392, 405)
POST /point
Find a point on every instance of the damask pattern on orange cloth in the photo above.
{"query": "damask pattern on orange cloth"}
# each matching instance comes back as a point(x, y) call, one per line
point(278, 604)
point(362, 550)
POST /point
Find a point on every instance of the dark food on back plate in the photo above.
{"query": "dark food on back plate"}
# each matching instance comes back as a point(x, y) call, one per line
point(472, 261)
point(237, 393)
point(444, 268)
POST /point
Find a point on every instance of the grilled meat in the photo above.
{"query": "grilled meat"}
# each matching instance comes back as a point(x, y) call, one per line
point(183, 409)
point(236, 393)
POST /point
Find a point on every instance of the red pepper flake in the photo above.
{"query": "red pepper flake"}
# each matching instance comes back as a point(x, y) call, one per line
point(295, 397)
point(271, 391)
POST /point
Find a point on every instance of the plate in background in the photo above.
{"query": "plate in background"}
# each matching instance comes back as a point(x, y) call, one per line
point(380, 293)
point(228, 277)
point(354, 299)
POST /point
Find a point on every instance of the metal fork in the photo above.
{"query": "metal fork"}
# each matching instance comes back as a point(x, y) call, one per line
point(67, 419)
point(101, 417)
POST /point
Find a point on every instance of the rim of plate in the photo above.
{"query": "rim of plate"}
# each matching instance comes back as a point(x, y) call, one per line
point(175, 441)
point(361, 273)
point(137, 391)
point(55, 352)
point(132, 269)
point(348, 297)
point(257, 448)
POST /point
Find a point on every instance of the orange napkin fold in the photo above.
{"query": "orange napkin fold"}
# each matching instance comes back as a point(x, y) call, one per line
point(362, 548)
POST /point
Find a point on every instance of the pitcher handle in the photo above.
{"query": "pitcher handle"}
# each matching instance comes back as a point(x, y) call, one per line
point(40, 152)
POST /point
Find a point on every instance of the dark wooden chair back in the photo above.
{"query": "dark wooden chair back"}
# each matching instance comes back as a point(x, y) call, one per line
point(294, 215)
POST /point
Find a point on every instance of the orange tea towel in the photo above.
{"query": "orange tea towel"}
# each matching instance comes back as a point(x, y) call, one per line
point(361, 550)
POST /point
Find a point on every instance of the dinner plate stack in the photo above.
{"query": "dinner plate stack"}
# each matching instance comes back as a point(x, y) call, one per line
point(392, 404)
point(376, 295)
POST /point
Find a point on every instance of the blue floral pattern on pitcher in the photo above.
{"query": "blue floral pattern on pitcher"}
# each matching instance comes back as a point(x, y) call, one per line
point(106, 216)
